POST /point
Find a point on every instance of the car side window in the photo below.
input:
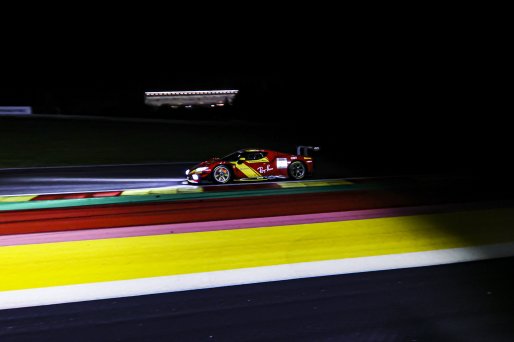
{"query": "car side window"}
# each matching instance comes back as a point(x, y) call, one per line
point(234, 156)
point(255, 156)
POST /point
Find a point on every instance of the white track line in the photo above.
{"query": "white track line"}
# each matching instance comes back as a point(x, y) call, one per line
point(195, 281)
point(86, 179)
point(94, 165)
point(156, 188)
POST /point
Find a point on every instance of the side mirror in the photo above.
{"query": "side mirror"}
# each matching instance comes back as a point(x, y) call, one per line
point(241, 160)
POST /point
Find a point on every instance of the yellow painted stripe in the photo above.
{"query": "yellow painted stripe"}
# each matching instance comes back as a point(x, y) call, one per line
point(17, 198)
point(189, 189)
point(77, 262)
point(163, 191)
point(262, 160)
point(314, 183)
point(136, 192)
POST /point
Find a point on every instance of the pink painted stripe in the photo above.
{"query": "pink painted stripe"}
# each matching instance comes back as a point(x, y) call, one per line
point(48, 197)
point(179, 228)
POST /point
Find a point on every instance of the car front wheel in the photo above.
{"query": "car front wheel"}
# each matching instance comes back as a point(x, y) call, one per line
point(297, 170)
point(221, 174)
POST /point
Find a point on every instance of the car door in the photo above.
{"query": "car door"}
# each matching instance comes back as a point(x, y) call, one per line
point(243, 169)
point(259, 162)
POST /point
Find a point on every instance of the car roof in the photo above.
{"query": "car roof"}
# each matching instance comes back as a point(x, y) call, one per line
point(248, 150)
point(253, 150)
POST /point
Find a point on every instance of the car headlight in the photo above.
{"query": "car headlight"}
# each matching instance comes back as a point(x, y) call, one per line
point(201, 169)
point(195, 177)
point(187, 172)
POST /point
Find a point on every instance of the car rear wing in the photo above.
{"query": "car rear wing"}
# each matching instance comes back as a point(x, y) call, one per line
point(304, 150)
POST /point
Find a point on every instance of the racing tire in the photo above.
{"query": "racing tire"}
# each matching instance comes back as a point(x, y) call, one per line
point(221, 174)
point(297, 170)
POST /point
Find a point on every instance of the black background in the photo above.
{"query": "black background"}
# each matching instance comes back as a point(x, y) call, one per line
point(421, 86)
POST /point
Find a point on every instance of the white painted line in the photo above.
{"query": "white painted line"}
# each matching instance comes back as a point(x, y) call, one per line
point(195, 281)
point(94, 165)
point(103, 180)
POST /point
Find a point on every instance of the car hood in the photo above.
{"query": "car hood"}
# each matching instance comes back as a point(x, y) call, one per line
point(206, 163)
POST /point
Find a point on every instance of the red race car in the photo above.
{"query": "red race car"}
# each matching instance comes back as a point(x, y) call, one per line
point(253, 164)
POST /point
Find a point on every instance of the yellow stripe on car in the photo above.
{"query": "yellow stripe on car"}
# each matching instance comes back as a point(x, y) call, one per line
point(262, 160)
point(248, 171)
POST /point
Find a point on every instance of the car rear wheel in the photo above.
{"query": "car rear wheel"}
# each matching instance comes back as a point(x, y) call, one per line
point(297, 170)
point(221, 174)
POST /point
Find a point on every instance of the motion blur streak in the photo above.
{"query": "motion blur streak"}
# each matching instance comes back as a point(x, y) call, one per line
point(90, 180)
point(177, 228)
point(79, 262)
point(109, 216)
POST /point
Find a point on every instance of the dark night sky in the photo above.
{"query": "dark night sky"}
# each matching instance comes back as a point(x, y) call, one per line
point(395, 70)
point(424, 60)
point(432, 82)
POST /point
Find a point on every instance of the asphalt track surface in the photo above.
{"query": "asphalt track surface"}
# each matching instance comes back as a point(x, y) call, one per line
point(72, 179)
point(459, 302)
point(90, 178)
point(46, 220)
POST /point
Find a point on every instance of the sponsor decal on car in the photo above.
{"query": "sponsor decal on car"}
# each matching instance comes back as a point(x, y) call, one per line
point(264, 170)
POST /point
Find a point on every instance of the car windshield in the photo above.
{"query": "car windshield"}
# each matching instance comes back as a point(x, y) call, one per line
point(233, 156)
